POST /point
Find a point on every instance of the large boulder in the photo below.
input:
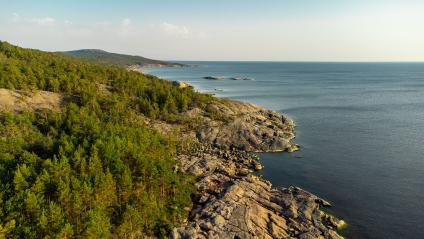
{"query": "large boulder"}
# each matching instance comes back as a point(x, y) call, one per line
point(181, 84)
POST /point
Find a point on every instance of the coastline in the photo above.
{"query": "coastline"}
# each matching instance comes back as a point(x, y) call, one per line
point(140, 68)
point(230, 201)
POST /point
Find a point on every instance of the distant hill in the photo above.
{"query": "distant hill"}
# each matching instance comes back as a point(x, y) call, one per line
point(104, 57)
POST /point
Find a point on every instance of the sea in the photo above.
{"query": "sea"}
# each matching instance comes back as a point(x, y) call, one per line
point(360, 127)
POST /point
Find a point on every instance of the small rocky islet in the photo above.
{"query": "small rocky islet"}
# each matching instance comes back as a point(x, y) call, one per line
point(228, 78)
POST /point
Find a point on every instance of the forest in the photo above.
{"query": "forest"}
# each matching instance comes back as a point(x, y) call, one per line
point(109, 58)
point(94, 169)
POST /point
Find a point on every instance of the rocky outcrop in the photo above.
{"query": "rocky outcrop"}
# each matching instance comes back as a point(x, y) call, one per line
point(233, 203)
point(136, 68)
point(16, 100)
point(244, 126)
point(181, 84)
point(230, 201)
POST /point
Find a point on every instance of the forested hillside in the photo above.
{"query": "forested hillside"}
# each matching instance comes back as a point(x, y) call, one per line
point(104, 57)
point(93, 170)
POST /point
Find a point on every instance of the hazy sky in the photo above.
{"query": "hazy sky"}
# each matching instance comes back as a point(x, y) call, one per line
point(285, 30)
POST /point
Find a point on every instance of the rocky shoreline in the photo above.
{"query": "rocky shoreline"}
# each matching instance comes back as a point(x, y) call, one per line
point(231, 202)
point(139, 67)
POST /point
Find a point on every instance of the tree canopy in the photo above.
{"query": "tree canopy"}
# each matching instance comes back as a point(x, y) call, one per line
point(104, 57)
point(93, 170)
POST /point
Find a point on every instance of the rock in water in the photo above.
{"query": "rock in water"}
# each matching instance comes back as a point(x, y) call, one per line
point(258, 166)
point(242, 78)
point(214, 77)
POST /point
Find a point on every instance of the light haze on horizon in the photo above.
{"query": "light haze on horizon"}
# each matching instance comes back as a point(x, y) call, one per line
point(260, 30)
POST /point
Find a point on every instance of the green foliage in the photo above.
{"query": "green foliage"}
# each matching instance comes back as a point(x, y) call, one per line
point(93, 170)
point(110, 86)
point(103, 57)
point(103, 180)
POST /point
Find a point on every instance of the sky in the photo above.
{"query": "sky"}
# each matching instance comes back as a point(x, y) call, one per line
point(232, 30)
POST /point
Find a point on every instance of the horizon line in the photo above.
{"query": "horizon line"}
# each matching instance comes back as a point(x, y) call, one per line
point(299, 61)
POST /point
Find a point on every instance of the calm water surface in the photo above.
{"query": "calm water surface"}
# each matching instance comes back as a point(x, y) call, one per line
point(361, 128)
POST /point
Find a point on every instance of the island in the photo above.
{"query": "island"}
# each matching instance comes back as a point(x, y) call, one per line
point(242, 78)
point(215, 77)
point(227, 78)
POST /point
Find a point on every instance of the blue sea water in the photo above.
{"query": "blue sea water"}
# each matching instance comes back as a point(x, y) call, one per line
point(361, 128)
